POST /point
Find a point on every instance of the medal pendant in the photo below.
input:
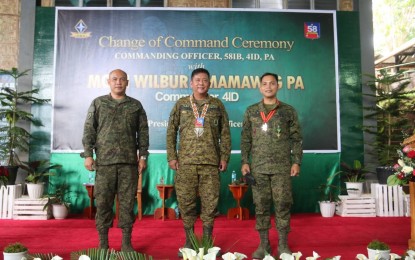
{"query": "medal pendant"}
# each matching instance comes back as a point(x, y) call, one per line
point(199, 131)
point(264, 127)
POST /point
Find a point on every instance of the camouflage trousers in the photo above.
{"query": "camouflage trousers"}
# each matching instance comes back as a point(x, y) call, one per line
point(111, 180)
point(276, 189)
point(194, 180)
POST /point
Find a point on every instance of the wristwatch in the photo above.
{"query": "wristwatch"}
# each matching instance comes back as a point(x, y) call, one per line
point(143, 157)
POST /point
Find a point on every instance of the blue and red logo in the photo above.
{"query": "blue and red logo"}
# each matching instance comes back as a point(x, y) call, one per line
point(312, 30)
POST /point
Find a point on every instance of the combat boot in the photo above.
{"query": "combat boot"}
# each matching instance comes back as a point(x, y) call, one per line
point(126, 240)
point(207, 233)
point(103, 239)
point(188, 242)
point(283, 243)
point(264, 247)
point(208, 237)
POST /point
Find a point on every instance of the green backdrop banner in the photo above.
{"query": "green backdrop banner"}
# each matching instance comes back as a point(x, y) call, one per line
point(160, 48)
point(316, 167)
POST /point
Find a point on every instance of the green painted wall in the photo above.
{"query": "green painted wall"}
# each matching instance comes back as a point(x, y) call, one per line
point(315, 168)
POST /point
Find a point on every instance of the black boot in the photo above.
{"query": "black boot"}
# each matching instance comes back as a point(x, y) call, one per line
point(126, 240)
point(283, 243)
point(188, 243)
point(207, 233)
point(103, 239)
point(208, 238)
point(264, 247)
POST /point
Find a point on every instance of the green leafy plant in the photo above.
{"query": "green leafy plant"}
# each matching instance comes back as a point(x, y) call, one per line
point(355, 173)
point(41, 256)
point(394, 103)
point(13, 137)
point(329, 192)
point(15, 248)
point(38, 170)
point(108, 254)
point(200, 241)
point(60, 196)
point(378, 245)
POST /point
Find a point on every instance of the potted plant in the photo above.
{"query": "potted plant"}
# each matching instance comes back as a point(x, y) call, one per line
point(354, 177)
point(14, 137)
point(37, 171)
point(59, 201)
point(378, 250)
point(14, 251)
point(394, 107)
point(329, 198)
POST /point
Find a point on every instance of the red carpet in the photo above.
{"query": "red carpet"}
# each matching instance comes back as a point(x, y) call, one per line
point(345, 236)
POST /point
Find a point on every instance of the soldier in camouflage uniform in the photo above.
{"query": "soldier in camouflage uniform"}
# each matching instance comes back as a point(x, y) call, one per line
point(271, 149)
point(202, 124)
point(116, 129)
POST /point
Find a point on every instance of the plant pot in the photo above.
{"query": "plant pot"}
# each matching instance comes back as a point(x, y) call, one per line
point(327, 208)
point(374, 254)
point(12, 172)
point(35, 190)
point(14, 256)
point(354, 189)
point(59, 211)
point(383, 172)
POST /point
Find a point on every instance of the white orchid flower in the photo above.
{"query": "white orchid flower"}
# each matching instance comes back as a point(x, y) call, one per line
point(297, 255)
point(214, 249)
point(361, 257)
point(269, 257)
point(210, 256)
point(337, 257)
point(228, 256)
point(84, 257)
point(407, 169)
point(314, 257)
point(239, 256)
point(201, 253)
point(411, 253)
point(394, 256)
point(56, 257)
point(401, 162)
point(37, 258)
point(285, 256)
point(188, 253)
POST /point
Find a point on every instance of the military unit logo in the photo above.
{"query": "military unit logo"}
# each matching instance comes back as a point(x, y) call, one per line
point(80, 29)
point(312, 30)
